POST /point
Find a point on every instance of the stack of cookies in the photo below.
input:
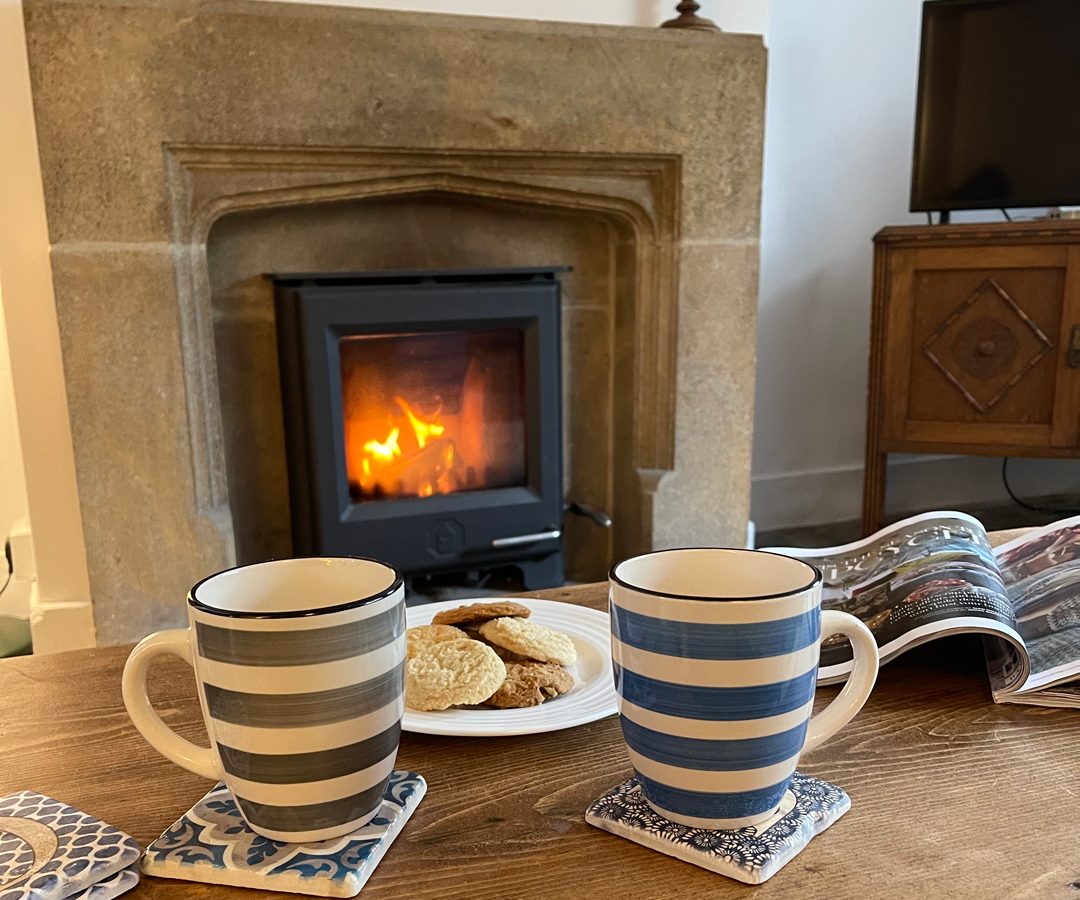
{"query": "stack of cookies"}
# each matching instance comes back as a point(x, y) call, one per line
point(489, 654)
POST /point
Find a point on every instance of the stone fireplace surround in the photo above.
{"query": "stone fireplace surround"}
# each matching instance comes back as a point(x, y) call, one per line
point(189, 147)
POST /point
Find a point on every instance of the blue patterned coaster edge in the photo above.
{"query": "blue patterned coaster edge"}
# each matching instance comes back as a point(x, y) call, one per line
point(113, 886)
point(751, 855)
point(52, 851)
point(211, 843)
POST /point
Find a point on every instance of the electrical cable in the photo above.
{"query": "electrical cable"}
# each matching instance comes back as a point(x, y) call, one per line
point(1050, 510)
point(1005, 213)
point(10, 565)
point(929, 218)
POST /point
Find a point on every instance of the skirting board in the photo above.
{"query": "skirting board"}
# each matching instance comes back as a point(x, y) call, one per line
point(915, 484)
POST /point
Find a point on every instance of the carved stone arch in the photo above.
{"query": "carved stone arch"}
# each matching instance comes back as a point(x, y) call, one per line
point(627, 211)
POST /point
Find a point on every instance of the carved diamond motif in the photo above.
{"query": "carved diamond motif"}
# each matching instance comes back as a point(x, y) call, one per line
point(986, 346)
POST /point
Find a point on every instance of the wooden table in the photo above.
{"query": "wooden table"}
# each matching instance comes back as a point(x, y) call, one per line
point(952, 795)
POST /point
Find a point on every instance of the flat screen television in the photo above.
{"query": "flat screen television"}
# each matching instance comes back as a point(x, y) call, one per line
point(998, 116)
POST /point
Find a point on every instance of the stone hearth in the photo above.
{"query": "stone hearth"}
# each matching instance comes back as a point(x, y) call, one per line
point(188, 147)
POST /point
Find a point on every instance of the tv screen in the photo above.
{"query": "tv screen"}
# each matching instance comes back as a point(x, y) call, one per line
point(998, 117)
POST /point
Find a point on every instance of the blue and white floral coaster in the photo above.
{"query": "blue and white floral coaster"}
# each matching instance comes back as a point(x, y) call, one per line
point(52, 851)
point(213, 844)
point(753, 854)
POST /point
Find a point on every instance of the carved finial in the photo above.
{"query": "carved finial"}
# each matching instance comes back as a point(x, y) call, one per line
point(688, 18)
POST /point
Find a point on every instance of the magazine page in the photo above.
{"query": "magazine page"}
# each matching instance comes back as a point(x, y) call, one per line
point(925, 577)
point(1059, 696)
point(1041, 572)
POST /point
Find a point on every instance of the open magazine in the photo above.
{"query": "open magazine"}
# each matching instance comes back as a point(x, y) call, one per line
point(936, 574)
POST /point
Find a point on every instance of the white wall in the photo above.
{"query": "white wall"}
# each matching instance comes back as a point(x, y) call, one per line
point(840, 114)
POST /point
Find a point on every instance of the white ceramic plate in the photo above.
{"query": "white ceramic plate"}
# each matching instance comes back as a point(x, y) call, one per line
point(592, 698)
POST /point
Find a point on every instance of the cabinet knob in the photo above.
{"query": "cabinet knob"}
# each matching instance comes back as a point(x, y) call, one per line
point(1074, 348)
point(986, 348)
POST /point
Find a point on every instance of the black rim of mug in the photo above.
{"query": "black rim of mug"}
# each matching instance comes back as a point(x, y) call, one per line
point(817, 578)
point(398, 581)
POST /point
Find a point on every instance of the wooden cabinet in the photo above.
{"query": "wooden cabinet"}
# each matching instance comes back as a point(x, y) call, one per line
point(970, 344)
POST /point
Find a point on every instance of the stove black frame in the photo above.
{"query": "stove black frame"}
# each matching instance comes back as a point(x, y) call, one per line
point(462, 531)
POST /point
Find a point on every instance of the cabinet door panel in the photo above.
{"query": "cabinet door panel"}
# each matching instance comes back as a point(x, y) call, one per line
point(981, 346)
point(975, 350)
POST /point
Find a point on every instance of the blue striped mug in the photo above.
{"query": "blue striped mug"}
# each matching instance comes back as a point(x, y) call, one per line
point(715, 654)
point(300, 667)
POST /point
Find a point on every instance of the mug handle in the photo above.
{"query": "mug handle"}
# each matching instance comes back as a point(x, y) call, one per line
point(859, 684)
point(200, 760)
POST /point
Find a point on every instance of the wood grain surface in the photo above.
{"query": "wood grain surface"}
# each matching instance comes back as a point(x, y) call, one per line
point(952, 795)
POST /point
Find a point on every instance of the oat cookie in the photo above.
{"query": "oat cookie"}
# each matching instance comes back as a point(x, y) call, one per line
point(451, 673)
point(480, 612)
point(423, 636)
point(530, 684)
point(531, 640)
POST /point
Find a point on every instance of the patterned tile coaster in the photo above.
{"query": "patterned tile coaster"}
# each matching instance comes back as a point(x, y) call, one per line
point(113, 886)
point(52, 851)
point(213, 844)
point(753, 854)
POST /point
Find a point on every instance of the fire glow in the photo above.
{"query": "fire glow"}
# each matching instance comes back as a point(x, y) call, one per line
point(414, 458)
point(432, 414)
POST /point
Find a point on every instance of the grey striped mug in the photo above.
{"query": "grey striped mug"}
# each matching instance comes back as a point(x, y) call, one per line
point(300, 671)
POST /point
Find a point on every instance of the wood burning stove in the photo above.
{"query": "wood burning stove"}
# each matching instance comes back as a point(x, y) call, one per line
point(423, 418)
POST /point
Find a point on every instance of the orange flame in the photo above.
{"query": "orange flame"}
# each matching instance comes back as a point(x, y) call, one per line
point(424, 431)
point(384, 450)
point(406, 461)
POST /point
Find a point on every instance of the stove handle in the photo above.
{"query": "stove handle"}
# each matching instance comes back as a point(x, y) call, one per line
point(533, 538)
